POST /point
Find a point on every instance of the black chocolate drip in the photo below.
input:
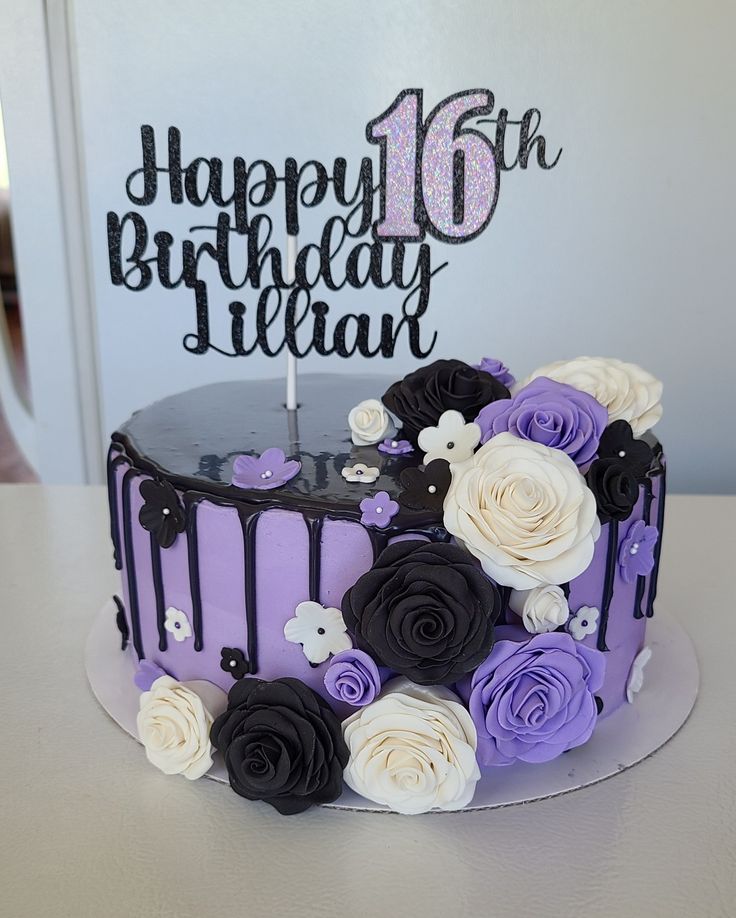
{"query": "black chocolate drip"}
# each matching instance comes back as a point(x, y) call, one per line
point(194, 586)
point(158, 589)
point(314, 527)
point(135, 620)
point(641, 579)
point(608, 581)
point(249, 522)
point(115, 457)
point(658, 548)
point(121, 621)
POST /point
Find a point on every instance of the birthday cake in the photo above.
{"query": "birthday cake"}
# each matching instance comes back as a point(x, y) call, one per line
point(395, 587)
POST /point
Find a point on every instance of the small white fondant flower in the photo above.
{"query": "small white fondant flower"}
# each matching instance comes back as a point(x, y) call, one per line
point(583, 622)
point(177, 623)
point(174, 720)
point(320, 631)
point(542, 609)
point(370, 423)
point(367, 474)
point(452, 439)
point(636, 675)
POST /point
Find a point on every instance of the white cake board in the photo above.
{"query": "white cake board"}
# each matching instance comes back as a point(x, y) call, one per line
point(629, 735)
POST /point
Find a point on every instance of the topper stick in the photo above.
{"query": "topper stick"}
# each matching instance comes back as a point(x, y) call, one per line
point(291, 397)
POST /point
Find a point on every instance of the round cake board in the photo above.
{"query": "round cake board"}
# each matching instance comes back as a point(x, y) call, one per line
point(629, 735)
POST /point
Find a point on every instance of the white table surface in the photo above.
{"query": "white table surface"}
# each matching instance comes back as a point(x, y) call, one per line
point(89, 828)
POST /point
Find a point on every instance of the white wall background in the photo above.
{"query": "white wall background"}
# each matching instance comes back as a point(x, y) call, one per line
point(623, 249)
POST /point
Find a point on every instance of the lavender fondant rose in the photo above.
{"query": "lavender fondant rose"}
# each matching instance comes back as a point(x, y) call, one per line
point(353, 677)
point(413, 750)
point(550, 413)
point(627, 391)
point(496, 368)
point(533, 698)
point(524, 511)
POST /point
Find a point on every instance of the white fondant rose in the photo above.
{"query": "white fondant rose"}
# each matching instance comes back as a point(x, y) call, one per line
point(524, 511)
point(625, 389)
point(413, 749)
point(542, 609)
point(370, 423)
point(174, 721)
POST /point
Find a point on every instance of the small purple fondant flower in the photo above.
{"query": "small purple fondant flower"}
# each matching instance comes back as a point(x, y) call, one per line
point(395, 447)
point(551, 413)
point(379, 510)
point(533, 698)
point(269, 470)
point(636, 555)
point(146, 675)
point(498, 369)
point(353, 677)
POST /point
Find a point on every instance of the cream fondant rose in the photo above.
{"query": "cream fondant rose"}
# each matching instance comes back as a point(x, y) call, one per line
point(625, 389)
point(174, 721)
point(524, 510)
point(413, 749)
point(370, 423)
point(542, 609)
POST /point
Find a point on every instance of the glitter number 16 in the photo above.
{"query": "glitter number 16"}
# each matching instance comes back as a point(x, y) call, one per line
point(436, 175)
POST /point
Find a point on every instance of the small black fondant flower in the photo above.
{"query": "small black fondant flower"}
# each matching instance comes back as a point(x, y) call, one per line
point(615, 488)
point(425, 610)
point(121, 622)
point(618, 442)
point(420, 399)
point(282, 743)
point(233, 661)
point(162, 513)
point(425, 489)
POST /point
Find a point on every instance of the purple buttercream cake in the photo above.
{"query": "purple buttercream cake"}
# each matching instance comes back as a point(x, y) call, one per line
point(452, 556)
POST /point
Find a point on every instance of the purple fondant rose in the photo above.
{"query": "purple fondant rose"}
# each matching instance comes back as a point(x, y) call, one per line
point(353, 677)
point(496, 368)
point(550, 413)
point(533, 698)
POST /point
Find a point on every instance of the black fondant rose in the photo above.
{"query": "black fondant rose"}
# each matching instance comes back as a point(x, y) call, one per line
point(615, 488)
point(162, 513)
point(233, 661)
point(424, 610)
point(420, 398)
point(618, 442)
point(425, 489)
point(282, 743)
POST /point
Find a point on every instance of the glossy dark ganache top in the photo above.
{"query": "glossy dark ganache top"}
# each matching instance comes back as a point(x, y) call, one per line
point(192, 439)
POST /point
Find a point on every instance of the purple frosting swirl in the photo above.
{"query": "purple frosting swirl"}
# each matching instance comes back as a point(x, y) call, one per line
point(533, 698)
point(550, 413)
point(353, 677)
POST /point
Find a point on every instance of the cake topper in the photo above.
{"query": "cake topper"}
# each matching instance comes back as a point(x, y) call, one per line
point(438, 177)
